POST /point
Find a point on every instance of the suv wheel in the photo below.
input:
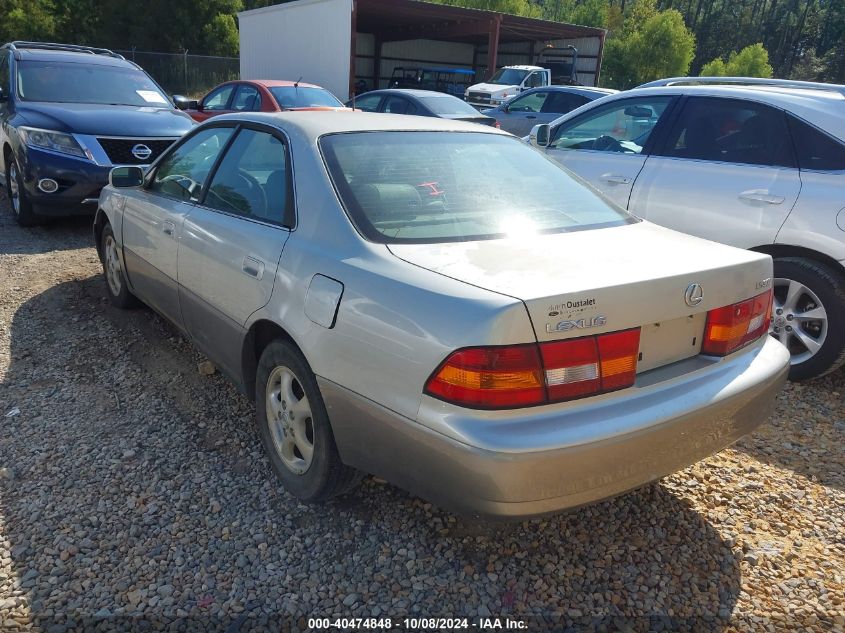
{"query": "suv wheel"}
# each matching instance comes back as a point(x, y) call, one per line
point(294, 426)
point(808, 315)
point(18, 198)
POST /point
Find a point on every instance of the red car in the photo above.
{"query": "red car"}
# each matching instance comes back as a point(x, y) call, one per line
point(260, 95)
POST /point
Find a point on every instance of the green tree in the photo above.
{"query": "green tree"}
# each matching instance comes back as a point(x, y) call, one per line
point(716, 68)
point(652, 44)
point(751, 61)
point(27, 20)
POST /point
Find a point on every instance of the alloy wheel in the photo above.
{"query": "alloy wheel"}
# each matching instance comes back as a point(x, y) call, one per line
point(290, 420)
point(14, 189)
point(112, 265)
point(799, 320)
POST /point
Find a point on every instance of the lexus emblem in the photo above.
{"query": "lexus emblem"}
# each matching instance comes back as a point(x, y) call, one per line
point(694, 295)
point(141, 151)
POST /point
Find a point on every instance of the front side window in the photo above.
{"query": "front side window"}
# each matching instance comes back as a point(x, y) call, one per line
point(75, 82)
point(623, 126)
point(253, 179)
point(182, 174)
point(246, 99)
point(529, 103)
point(535, 80)
point(732, 131)
point(218, 100)
point(398, 105)
point(446, 187)
point(816, 150)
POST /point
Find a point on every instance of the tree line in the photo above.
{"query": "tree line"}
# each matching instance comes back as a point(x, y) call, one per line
point(648, 39)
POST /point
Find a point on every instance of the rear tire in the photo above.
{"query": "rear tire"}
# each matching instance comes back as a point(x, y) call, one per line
point(18, 198)
point(117, 287)
point(809, 315)
point(294, 427)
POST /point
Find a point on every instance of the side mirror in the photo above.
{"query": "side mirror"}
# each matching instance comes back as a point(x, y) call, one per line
point(541, 135)
point(125, 177)
point(183, 103)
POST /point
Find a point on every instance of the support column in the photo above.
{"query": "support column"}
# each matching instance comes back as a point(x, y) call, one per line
point(493, 45)
point(599, 60)
point(377, 61)
point(353, 53)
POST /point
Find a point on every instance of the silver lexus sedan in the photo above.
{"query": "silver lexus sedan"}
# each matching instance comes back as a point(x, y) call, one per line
point(440, 305)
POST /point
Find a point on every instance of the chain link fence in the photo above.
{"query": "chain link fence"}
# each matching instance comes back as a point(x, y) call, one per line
point(181, 73)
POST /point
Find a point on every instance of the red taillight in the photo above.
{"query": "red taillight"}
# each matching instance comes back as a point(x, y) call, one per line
point(735, 326)
point(526, 375)
point(490, 377)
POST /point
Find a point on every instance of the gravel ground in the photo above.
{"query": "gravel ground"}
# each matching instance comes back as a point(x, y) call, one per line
point(133, 489)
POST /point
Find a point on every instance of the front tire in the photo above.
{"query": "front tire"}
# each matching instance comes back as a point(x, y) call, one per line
point(117, 288)
point(18, 198)
point(808, 315)
point(294, 426)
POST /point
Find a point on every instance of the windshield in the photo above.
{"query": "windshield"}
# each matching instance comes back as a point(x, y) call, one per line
point(69, 82)
point(449, 187)
point(508, 77)
point(448, 106)
point(304, 97)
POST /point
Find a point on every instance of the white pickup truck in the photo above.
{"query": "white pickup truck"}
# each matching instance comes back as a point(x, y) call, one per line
point(507, 82)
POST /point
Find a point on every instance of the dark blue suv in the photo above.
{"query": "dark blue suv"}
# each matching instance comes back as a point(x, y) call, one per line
point(68, 115)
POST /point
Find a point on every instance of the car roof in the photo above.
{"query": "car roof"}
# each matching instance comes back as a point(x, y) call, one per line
point(575, 89)
point(413, 92)
point(78, 57)
point(316, 124)
point(822, 108)
point(278, 83)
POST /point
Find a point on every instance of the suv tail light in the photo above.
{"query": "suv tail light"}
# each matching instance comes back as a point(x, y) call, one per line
point(735, 326)
point(526, 375)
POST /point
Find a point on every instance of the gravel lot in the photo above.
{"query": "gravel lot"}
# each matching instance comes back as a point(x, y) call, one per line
point(134, 489)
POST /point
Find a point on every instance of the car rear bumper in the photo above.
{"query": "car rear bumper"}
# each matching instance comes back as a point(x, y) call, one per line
point(536, 461)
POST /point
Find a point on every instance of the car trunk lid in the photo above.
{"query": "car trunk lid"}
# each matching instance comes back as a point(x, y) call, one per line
point(591, 282)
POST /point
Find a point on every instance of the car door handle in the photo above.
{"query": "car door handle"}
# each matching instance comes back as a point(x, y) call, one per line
point(615, 179)
point(168, 228)
point(530, 116)
point(760, 195)
point(253, 267)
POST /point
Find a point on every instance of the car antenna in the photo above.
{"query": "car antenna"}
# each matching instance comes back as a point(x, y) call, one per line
point(296, 83)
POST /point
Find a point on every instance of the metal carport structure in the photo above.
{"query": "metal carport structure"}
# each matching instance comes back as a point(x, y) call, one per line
point(314, 38)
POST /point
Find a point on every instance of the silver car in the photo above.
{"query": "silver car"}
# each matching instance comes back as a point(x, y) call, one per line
point(438, 304)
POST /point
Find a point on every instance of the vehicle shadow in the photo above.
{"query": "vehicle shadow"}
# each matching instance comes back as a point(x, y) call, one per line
point(55, 234)
point(139, 492)
point(804, 434)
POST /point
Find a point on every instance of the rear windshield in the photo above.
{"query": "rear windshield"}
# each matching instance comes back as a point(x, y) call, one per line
point(453, 187)
point(69, 82)
point(303, 97)
point(448, 106)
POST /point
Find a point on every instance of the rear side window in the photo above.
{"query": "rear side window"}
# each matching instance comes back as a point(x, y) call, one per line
point(253, 179)
point(181, 175)
point(562, 102)
point(368, 103)
point(816, 150)
point(731, 131)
